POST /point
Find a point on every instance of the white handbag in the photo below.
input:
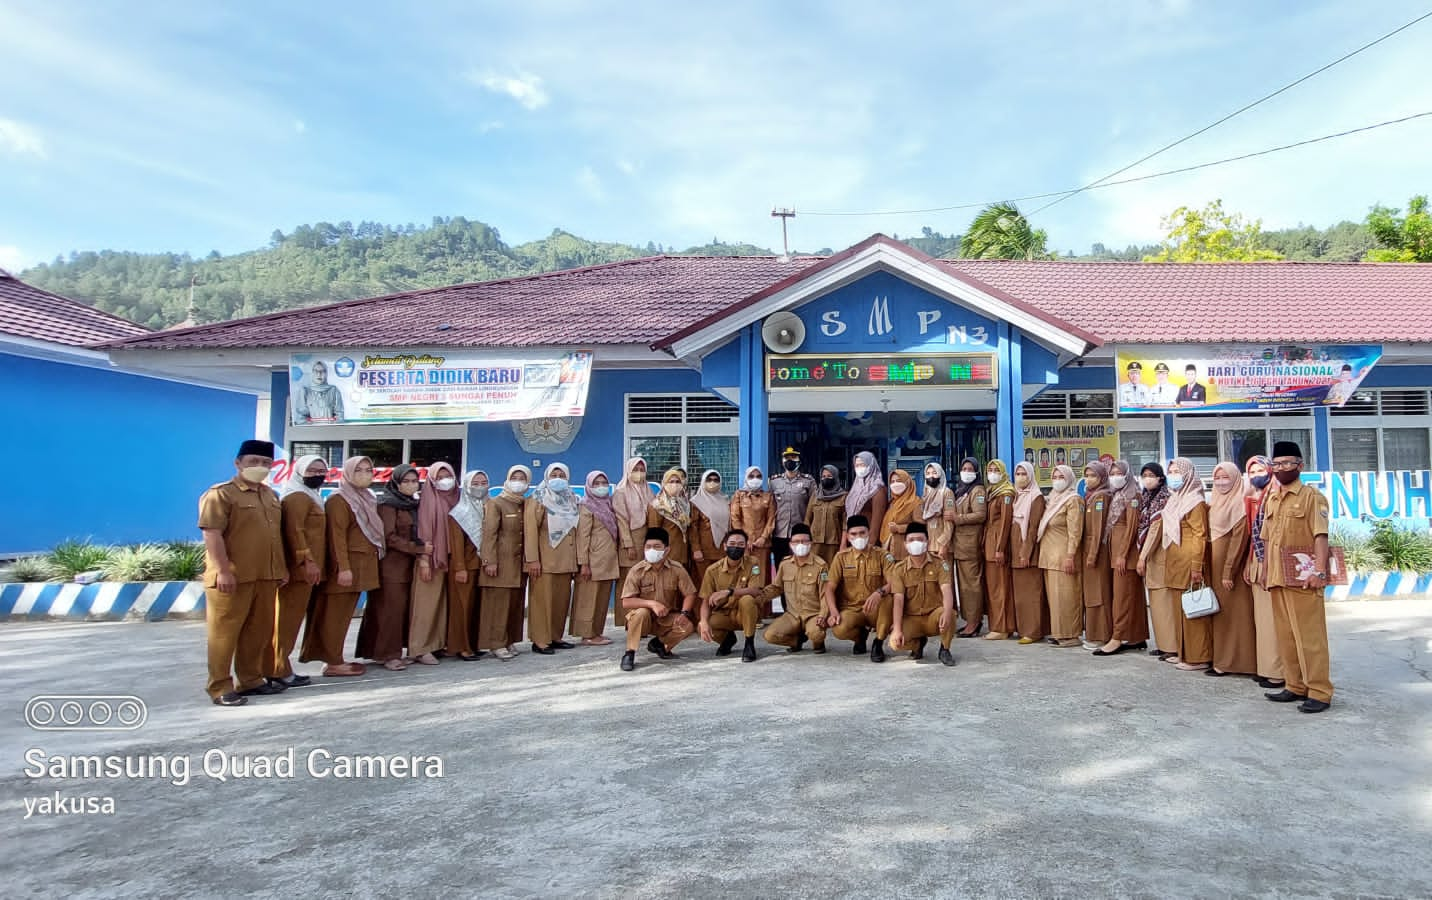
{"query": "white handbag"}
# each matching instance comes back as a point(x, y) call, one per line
point(1199, 603)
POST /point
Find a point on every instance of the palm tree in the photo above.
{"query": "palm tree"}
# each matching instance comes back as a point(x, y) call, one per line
point(1001, 231)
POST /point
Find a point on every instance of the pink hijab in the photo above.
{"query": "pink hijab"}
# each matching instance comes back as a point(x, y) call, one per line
point(362, 502)
point(630, 498)
point(1024, 499)
point(1057, 500)
point(434, 506)
point(1182, 501)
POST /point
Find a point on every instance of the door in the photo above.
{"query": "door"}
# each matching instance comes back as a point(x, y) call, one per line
point(966, 435)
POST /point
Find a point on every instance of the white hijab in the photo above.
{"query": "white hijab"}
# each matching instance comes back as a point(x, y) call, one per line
point(295, 485)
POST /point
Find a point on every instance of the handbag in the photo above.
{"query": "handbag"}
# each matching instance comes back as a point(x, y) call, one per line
point(1199, 603)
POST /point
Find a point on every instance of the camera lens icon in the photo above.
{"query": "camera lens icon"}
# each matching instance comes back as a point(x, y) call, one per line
point(86, 712)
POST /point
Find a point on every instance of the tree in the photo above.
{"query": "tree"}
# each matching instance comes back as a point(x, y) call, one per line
point(1405, 239)
point(1211, 235)
point(1001, 231)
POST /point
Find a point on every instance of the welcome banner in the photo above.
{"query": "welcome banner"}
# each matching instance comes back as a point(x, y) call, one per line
point(1241, 378)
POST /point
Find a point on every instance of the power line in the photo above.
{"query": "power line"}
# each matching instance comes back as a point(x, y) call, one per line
point(1109, 184)
point(1236, 112)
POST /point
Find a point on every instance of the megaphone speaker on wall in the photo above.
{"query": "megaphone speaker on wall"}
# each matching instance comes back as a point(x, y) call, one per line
point(783, 332)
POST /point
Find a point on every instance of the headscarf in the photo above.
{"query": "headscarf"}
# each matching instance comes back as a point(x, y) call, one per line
point(1024, 499)
point(295, 484)
point(1226, 509)
point(362, 502)
point(433, 509)
point(1005, 486)
point(834, 493)
point(600, 507)
point(675, 508)
point(1154, 500)
point(471, 509)
point(1058, 499)
point(933, 503)
point(862, 488)
point(1254, 502)
point(1248, 489)
point(902, 508)
point(1182, 501)
point(717, 508)
point(562, 509)
point(1120, 499)
point(393, 497)
point(512, 471)
point(630, 498)
point(959, 486)
point(1101, 492)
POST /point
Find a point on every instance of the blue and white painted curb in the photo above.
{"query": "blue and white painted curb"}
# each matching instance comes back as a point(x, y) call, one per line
point(1381, 584)
point(107, 601)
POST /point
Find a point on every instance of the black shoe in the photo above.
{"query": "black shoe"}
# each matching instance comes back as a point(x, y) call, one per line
point(545, 651)
point(268, 687)
point(1268, 683)
point(859, 649)
point(561, 645)
point(628, 660)
point(1213, 673)
point(230, 699)
point(1115, 652)
point(748, 654)
point(946, 656)
point(295, 680)
point(278, 684)
point(972, 634)
point(799, 644)
point(877, 651)
point(727, 642)
point(1157, 652)
point(817, 648)
point(919, 651)
point(1141, 645)
point(1312, 706)
point(656, 646)
point(1286, 696)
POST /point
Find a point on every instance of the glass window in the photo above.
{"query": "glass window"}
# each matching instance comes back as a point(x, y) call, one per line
point(425, 452)
point(1246, 443)
point(1355, 449)
point(1096, 405)
point(660, 453)
point(385, 452)
point(1139, 447)
point(717, 453)
point(1201, 447)
point(1405, 448)
point(331, 451)
point(1304, 439)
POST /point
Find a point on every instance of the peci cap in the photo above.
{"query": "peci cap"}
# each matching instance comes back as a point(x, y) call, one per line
point(1287, 448)
point(800, 528)
point(857, 521)
point(256, 448)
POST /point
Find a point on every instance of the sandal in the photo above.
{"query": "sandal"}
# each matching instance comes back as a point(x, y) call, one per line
point(600, 640)
point(395, 665)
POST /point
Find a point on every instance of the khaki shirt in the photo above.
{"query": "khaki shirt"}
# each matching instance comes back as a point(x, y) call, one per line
point(502, 528)
point(920, 584)
point(250, 520)
point(800, 585)
point(826, 519)
point(666, 582)
point(970, 516)
point(596, 547)
point(303, 533)
point(1294, 516)
point(754, 513)
point(856, 574)
point(725, 575)
point(792, 497)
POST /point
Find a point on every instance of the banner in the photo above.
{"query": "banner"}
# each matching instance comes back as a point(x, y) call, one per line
point(1068, 442)
point(434, 386)
point(1241, 378)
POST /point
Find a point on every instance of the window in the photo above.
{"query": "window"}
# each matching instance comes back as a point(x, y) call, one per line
point(385, 452)
point(1139, 447)
point(331, 451)
point(693, 431)
point(1405, 448)
point(1355, 449)
point(1070, 405)
point(1303, 437)
point(424, 452)
point(1201, 447)
point(1246, 443)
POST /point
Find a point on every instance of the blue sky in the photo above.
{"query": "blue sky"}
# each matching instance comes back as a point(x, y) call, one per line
point(194, 126)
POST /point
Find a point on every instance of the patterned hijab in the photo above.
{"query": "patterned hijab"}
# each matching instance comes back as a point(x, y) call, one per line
point(561, 505)
point(1005, 486)
point(472, 508)
point(1154, 500)
point(675, 508)
point(1122, 497)
point(863, 487)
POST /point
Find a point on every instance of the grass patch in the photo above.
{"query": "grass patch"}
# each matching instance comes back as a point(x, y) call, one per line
point(27, 570)
point(73, 557)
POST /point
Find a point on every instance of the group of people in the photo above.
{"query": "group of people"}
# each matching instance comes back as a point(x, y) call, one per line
point(450, 567)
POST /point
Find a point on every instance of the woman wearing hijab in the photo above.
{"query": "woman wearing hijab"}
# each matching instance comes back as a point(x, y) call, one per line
point(753, 510)
point(904, 511)
point(710, 538)
point(1121, 529)
point(1098, 574)
point(1026, 577)
point(629, 501)
point(304, 529)
point(1260, 484)
point(597, 543)
point(1172, 562)
point(999, 518)
point(499, 626)
point(550, 546)
point(384, 632)
point(825, 515)
point(1235, 643)
point(966, 511)
point(1061, 535)
point(427, 618)
point(936, 506)
point(464, 538)
point(1154, 494)
point(867, 496)
point(355, 546)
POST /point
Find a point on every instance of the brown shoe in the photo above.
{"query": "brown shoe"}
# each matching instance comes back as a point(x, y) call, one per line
point(343, 670)
point(996, 636)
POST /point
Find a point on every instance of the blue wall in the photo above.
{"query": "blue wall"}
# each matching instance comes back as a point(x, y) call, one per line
point(115, 457)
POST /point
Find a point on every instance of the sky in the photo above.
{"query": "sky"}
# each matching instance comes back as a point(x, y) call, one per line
point(191, 127)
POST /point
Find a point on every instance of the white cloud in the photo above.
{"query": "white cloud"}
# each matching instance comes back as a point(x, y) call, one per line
point(591, 183)
point(524, 87)
point(21, 139)
point(11, 259)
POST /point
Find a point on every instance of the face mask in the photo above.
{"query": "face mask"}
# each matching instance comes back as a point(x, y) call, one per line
point(860, 471)
point(1117, 482)
point(916, 548)
point(969, 477)
point(1175, 482)
point(408, 489)
point(517, 487)
point(800, 549)
point(712, 487)
point(992, 477)
point(932, 481)
point(1059, 484)
point(735, 552)
point(655, 556)
point(255, 474)
point(828, 483)
point(754, 484)
point(1259, 481)
point(361, 479)
point(1021, 481)
point(1151, 483)
point(314, 481)
point(556, 484)
point(672, 489)
point(791, 465)
point(446, 484)
point(897, 488)
point(601, 490)
point(1286, 476)
point(860, 543)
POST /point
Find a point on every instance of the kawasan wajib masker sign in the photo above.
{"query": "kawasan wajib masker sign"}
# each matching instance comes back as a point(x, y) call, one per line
point(1226, 378)
point(434, 386)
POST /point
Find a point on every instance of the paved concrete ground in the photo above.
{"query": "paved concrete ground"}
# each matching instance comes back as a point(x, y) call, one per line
point(1023, 772)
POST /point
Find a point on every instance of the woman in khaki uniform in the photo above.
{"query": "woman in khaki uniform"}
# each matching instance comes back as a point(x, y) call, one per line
point(1098, 574)
point(427, 619)
point(465, 566)
point(967, 514)
point(1235, 644)
point(904, 511)
point(999, 517)
point(355, 545)
point(672, 509)
point(826, 514)
point(1260, 484)
point(304, 528)
point(550, 546)
point(630, 500)
point(384, 632)
point(500, 618)
point(867, 495)
point(753, 510)
point(710, 540)
point(1130, 612)
point(1172, 562)
point(1061, 535)
point(1026, 577)
point(597, 543)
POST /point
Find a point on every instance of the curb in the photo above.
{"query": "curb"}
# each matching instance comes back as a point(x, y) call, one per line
point(1381, 584)
point(152, 601)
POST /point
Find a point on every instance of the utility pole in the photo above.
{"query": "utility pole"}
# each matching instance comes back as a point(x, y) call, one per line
point(782, 213)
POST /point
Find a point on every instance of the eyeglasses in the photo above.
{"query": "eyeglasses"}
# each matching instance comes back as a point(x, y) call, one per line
point(1285, 465)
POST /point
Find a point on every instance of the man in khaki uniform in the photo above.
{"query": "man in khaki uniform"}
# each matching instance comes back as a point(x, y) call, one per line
point(659, 600)
point(244, 567)
point(1296, 518)
point(857, 595)
point(800, 582)
point(924, 597)
point(731, 598)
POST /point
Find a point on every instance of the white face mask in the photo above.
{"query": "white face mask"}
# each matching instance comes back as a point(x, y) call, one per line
point(968, 477)
point(800, 549)
point(517, 487)
point(601, 490)
point(994, 477)
point(754, 484)
point(860, 471)
point(860, 543)
point(712, 487)
point(1151, 483)
point(1117, 482)
point(446, 484)
point(916, 547)
point(655, 556)
point(897, 488)
point(1059, 484)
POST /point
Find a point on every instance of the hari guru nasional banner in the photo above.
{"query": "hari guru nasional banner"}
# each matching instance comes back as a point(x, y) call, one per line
point(434, 386)
point(1240, 378)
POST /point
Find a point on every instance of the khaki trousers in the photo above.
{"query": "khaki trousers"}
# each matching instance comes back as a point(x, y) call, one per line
point(854, 620)
point(925, 626)
point(293, 601)
point(241, 631)
point(1300, 618)
point(671, 629)
point(548, 605)
point(782, 632)
point(1001, 598)
point(427, 616)
point(327, 627)
point(589, 611)
point(1030, 615)
point(1270, 664)
point(969, 574)
point(1066, 604)
point(744, 613)
point(462, 614)
point(499, 615)
point(1166, 611)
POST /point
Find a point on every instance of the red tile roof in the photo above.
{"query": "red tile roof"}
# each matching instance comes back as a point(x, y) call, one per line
point(28, 312)
point(648, 301)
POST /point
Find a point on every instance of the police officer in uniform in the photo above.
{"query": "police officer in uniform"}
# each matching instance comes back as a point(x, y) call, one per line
point(857, 594)
point(924, 598)
point(800, 581)
point(793, 490)
point(659, 600)
point(731, 598)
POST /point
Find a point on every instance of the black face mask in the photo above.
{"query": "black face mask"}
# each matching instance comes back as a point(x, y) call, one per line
point(1259, 481)
point(314, 481)
point(791, 465)
point(828, 483)
point(735, 552)
point(932, 482)
point(1286, 476)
